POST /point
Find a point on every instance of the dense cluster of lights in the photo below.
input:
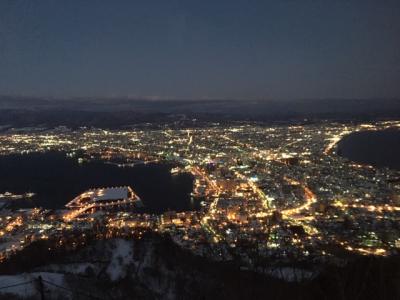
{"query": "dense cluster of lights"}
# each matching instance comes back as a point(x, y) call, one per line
point(282, 190)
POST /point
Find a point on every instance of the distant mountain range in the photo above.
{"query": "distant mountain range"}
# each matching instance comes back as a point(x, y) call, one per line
point(119, 112)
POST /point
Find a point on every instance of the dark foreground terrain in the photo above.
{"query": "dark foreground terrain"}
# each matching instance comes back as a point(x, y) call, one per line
point(155, 268)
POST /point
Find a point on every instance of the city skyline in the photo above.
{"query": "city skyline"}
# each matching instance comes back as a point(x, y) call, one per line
point(185, 149)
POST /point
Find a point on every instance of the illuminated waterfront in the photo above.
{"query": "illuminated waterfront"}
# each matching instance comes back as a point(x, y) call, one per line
point(56, 178)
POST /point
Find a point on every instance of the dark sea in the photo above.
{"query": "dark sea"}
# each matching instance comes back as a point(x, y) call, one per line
point(376, 148)
point(56, 179)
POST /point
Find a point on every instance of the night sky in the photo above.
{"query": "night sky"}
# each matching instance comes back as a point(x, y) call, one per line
point(281, 49)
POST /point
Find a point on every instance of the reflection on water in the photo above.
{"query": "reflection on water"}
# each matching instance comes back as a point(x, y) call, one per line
point(56, 179)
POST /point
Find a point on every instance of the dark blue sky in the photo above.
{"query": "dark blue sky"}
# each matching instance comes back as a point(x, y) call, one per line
point(201, 49)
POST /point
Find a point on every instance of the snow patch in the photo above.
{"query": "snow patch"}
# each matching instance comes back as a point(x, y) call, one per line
point(121, 258)
point(291, 274)
point(72, 268)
